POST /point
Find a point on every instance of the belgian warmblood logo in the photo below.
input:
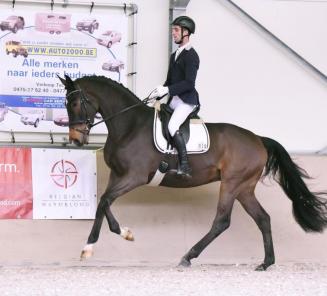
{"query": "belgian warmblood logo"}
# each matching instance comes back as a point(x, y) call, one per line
point(64, 173)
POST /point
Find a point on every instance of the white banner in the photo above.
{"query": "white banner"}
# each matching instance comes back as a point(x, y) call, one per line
point(35, 47)
point(64, 184)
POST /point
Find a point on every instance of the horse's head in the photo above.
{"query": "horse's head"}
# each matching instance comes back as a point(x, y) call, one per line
point(81, 111)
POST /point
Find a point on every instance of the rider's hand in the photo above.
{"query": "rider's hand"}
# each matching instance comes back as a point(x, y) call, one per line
point(160, 91)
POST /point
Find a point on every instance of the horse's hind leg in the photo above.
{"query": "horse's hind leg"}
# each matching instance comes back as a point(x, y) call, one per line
point(262, 219)
point(221, 222)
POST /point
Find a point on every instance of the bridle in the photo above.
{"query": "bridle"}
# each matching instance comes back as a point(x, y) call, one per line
point(88, 122)
point(83, 103)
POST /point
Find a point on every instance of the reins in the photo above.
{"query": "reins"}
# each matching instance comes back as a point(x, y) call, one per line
point(88, 122)
point(145, 101)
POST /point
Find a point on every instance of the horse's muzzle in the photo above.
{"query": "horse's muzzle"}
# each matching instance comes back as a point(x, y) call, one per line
point(79, 135)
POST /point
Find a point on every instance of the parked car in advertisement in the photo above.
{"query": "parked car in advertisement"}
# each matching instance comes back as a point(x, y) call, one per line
point(109, 38)
point(33, 117)
point(3, 111)
point(52, 23)
point(16, 48)
point(61, 120)
point(87, 25)
point(113, 66)
point(13, 23)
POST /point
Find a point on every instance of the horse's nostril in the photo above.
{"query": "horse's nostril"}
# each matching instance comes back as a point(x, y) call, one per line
point(77, 143)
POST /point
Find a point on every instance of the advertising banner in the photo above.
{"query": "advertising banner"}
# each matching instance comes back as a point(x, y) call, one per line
point(16, 194)
point(35, 47)
point(64, 184)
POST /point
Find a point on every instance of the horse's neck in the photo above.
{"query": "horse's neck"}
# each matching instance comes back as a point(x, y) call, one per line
point(123, 122)
point(115, 102)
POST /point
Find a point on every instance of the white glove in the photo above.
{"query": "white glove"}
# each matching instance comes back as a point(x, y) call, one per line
point(160, 91)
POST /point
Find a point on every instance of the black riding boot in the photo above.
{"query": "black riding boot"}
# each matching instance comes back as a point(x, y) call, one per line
point(183, 166)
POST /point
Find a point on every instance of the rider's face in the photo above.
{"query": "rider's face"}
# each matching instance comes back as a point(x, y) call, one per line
point(176, 32)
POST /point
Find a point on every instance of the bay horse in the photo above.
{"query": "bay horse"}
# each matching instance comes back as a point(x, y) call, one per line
point(237, 158)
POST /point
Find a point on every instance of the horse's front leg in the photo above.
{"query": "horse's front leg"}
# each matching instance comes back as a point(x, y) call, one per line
point(114, 225)
point(117, 187)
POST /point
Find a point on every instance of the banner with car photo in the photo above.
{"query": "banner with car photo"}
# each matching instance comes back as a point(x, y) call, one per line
point(35, 47)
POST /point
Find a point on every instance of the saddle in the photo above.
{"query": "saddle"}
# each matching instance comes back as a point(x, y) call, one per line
point(194, 131)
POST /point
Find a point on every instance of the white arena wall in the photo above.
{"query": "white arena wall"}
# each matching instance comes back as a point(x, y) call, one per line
point(250, 80)
point(245, 78)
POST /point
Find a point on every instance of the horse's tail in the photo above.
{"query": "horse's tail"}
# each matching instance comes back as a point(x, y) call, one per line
point(309, 208)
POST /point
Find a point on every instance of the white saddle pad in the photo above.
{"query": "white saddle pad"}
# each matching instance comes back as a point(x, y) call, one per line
point(199, 141)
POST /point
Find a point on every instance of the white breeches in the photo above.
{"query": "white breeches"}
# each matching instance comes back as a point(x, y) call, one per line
point(181, 112)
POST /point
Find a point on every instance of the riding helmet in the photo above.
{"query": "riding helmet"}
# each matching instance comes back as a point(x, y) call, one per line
point(185, 22)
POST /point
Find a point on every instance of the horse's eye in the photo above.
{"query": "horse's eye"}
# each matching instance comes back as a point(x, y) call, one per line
point(74, 104)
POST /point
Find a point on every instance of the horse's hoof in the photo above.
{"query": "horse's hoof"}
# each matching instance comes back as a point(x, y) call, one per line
point(86, 254)
point(261, 267)
point(184, 263)
point(126, 234)
point(264, 266)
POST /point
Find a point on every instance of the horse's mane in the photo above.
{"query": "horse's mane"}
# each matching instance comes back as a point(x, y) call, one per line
point(109, 81)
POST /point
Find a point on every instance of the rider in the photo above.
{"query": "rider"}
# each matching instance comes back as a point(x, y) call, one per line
point(180, 85)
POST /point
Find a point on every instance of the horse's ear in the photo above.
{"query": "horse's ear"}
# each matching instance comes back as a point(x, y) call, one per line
point(68, 82)
point(63, 81)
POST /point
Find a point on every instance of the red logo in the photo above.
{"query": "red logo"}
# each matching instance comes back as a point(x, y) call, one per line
point(64, 173)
